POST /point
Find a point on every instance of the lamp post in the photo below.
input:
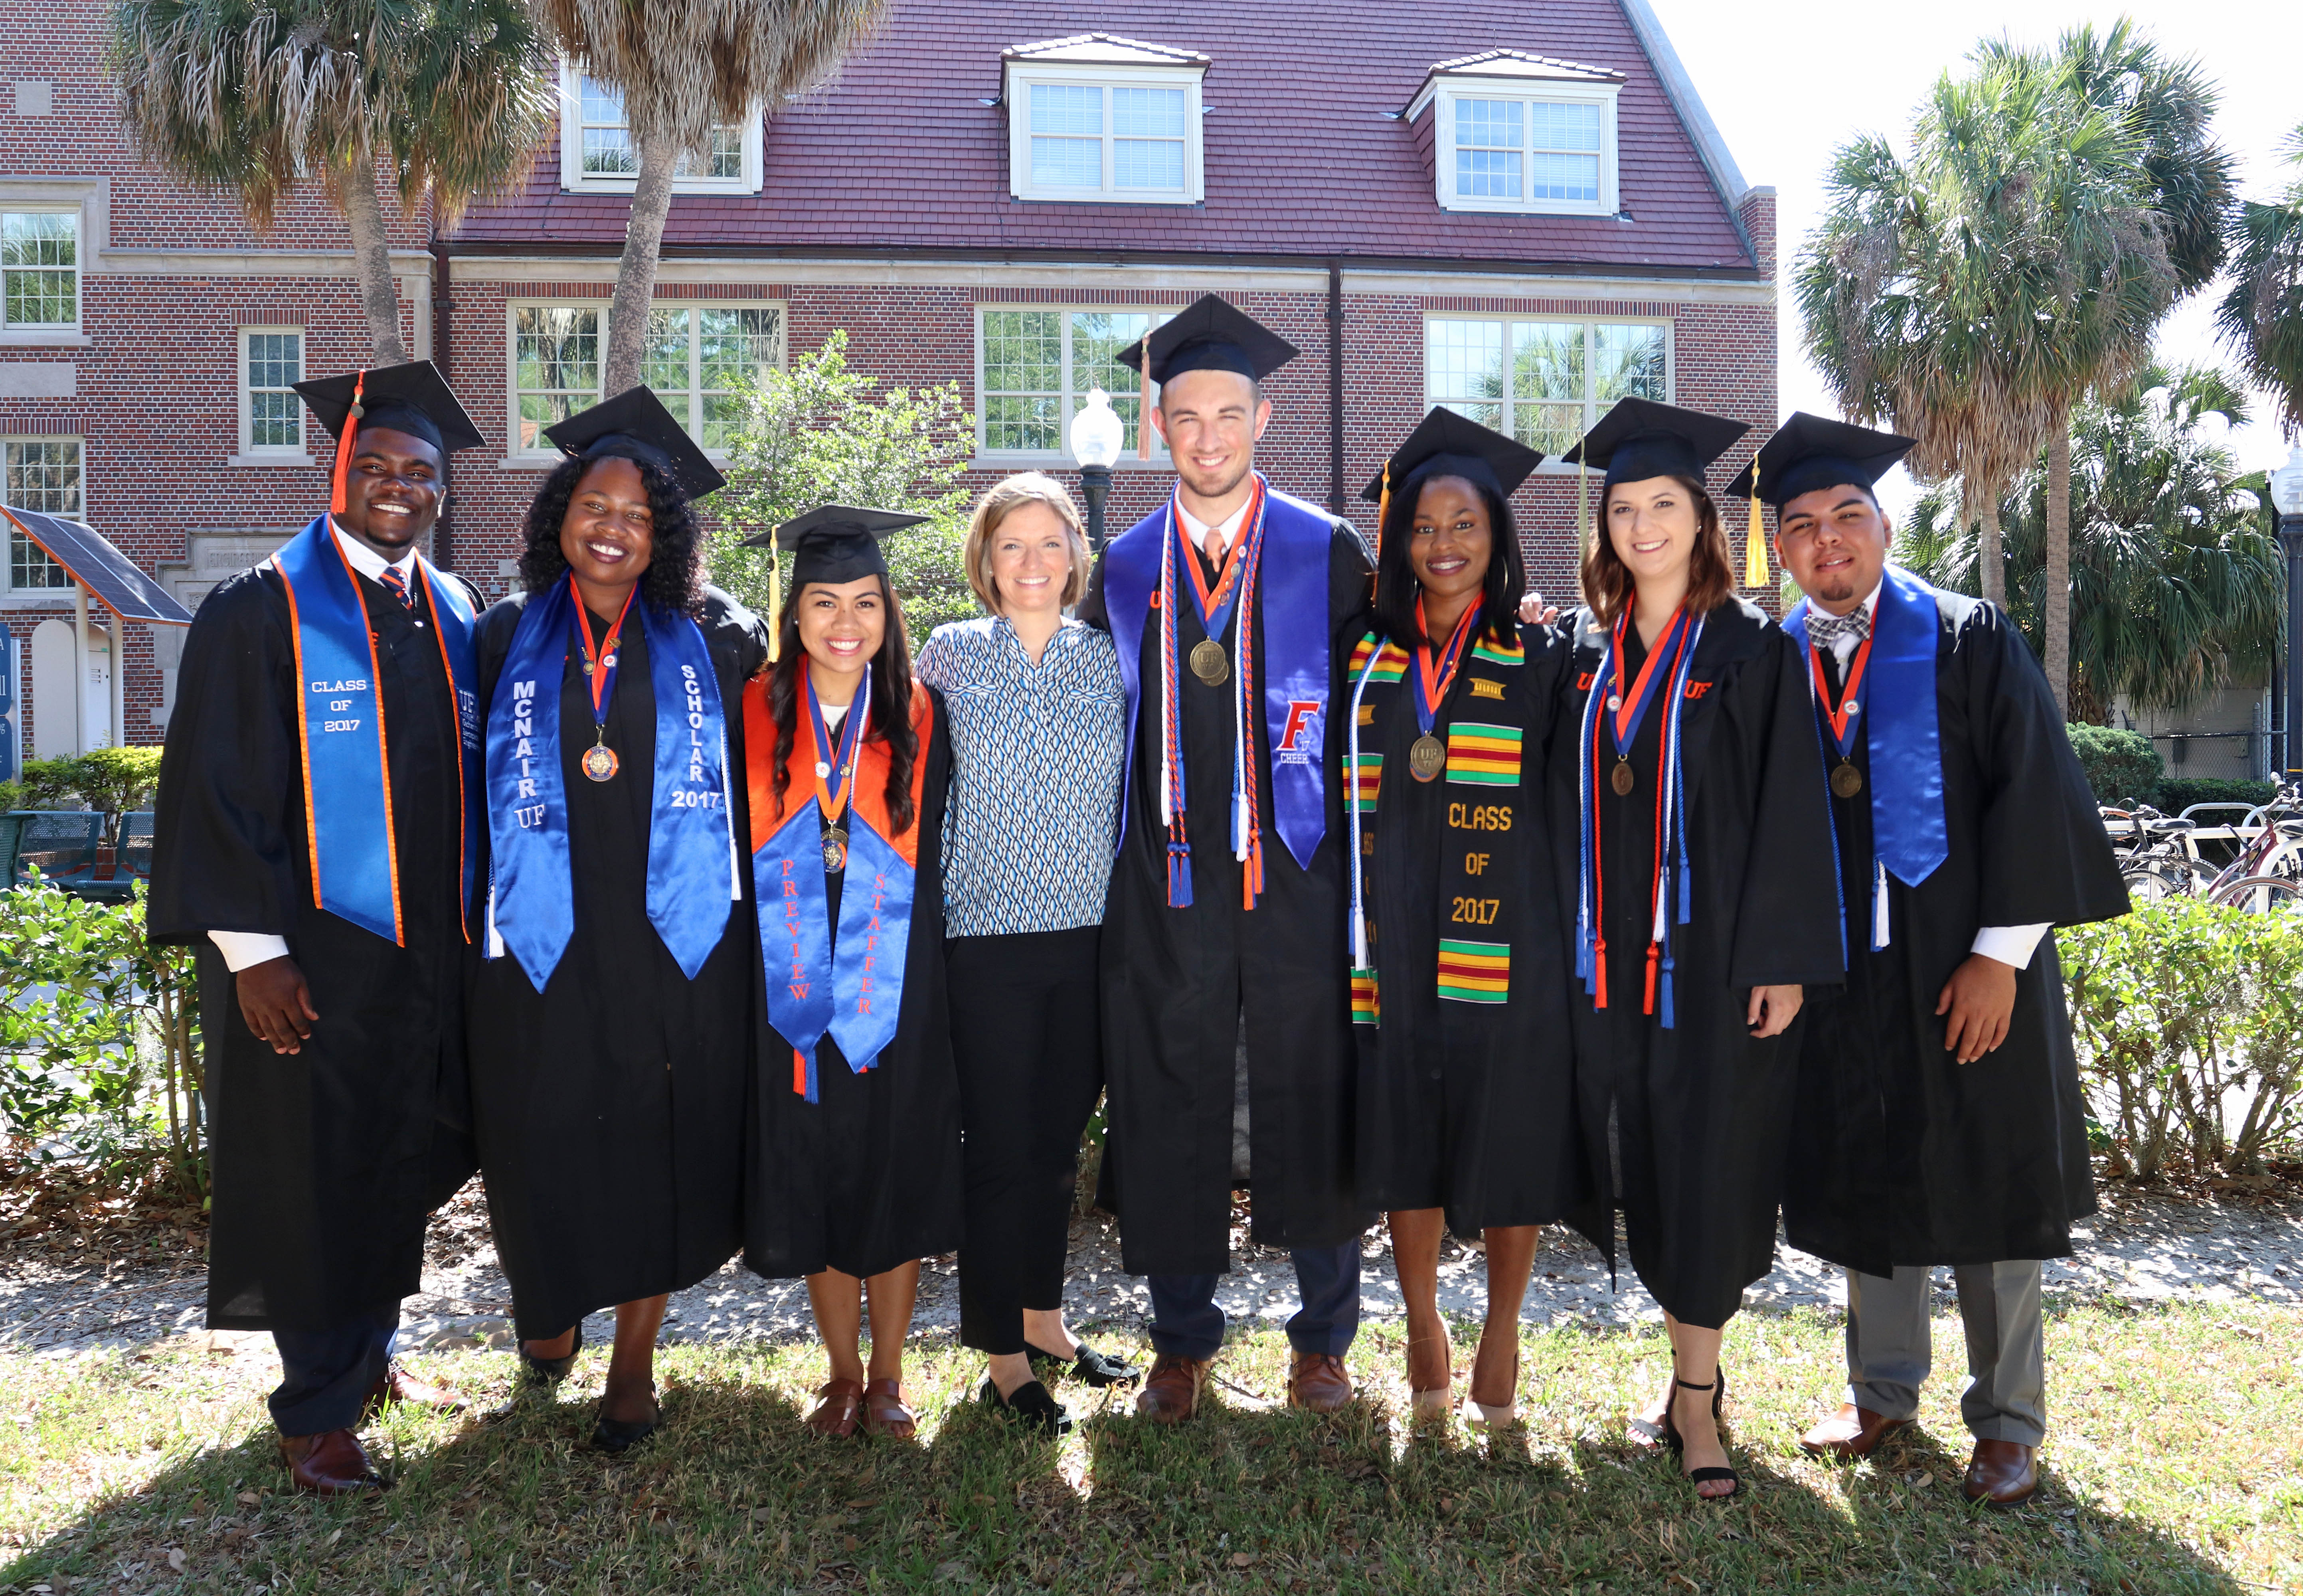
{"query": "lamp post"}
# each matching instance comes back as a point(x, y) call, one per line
point(2287, 498)
point(1097, 435)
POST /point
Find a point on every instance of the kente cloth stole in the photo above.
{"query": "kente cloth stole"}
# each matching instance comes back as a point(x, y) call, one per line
point(1909, 836)
point(1487, 794)
point(844, 981)
point(346, 747)
point(693, 871)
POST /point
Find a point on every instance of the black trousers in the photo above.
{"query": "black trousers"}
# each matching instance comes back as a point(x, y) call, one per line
point(1025, 1034)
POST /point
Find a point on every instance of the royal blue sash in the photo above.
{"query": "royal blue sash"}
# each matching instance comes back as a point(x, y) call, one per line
point(692, 864)
point(1908, 835)
point(1292, 606)
point(355, 853)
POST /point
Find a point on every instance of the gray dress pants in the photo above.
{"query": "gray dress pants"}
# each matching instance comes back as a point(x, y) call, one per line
point(1888, 1354)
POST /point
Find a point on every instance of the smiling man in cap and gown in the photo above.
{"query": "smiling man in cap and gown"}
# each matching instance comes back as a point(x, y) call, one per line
point(1939, 1118)
point(1224, 1001)
point(314, 842)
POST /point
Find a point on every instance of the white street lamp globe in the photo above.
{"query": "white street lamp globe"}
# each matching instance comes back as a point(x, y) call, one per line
point(1096, 431)
point(2286, 485)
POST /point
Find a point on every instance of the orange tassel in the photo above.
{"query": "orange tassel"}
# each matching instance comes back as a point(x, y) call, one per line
point(799, 1074)
point(1648, 1006)
point(344, 444)
point(1599, 973)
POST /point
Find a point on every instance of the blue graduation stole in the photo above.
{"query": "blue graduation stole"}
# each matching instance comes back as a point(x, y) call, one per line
point(1290, 594)
point(692, 873)
point(345, 744)
point(1908, 835)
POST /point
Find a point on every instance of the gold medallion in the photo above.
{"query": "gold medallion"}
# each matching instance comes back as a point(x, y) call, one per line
point(1427, 756)
point(1621, 778)
point(1846, 780)
point(600, 761)
point(835, 850)
point(1209, 664)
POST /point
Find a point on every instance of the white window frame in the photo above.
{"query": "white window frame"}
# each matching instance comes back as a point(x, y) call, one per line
point(8, 554)
point(1023, 76)
point(1593, 407)
point(1445, 91)
point(516, 455)
point(79, 269)
point(574, 179)
point(300, 453)
point(1069, 398)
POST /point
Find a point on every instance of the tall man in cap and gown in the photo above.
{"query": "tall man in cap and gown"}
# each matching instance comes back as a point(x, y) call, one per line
point(1223, 996)
point(314, 842)
point(1938, 1119)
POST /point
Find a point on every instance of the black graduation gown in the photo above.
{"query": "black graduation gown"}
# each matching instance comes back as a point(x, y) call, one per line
point(1463, 1104)
point(609, 1108)
point(1900, 1155)
point(1175, 982)
point(1701, 1112)
point(326, 1162)
point(868, 1176)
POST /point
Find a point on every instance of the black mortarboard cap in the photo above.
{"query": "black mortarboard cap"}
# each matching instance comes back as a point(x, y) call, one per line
point(412, 399)
point(837, 542)
point(1810, 452)
point(1447, 444)
point(635, 425)
point(1209, 335)
point(1640, 438)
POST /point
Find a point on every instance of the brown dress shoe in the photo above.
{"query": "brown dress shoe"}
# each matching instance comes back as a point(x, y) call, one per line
point(1850, 1433)
point(330, 1464)
point(884, 1413)
point(1171, 1391)
point(1320, 1382)
point(396, 1384)
point(839, 1409)
point(2002, 1473)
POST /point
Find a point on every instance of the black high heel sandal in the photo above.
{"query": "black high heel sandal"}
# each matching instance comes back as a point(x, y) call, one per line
point(550, 1370)
point(1678, 1442)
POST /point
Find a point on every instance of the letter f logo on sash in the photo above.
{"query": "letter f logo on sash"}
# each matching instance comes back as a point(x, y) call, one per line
point(1300, 712)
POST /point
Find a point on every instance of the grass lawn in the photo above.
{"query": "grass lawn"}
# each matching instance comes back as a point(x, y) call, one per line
point(2174, 1465)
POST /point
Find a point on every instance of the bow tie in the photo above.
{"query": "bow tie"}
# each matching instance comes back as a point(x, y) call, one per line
point(1828, 629)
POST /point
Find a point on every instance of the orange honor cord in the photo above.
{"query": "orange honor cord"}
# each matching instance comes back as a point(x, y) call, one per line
point(382, 747)
point(304, 729)
point(456, 709)
point(344, 444)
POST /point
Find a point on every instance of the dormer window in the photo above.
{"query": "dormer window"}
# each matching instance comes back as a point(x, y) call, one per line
point(1101, 120)
point(1505, 130)
point(596, 152)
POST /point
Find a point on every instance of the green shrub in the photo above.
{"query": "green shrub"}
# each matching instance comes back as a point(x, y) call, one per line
point(2120, 766)
point(2188, 1020)
point(53, 784)
point(2178, 793)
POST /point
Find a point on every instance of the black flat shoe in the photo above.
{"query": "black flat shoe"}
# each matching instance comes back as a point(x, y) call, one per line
point(615, 1436)
point(550, 1370)
point(1088, 1366)
point(1031, 1407)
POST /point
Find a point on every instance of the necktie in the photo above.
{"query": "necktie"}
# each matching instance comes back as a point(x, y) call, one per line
point(1827, 630)
point(1212, 546)
point(398, 585)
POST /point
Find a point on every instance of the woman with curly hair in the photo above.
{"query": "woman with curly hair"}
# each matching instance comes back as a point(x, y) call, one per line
point(855, 1171)
point(612, 1020)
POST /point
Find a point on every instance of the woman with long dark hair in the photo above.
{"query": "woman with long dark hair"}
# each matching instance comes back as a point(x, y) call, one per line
point(611, 1023)
point(1466, 1101)
point(1703, 893)
point(855, 1155)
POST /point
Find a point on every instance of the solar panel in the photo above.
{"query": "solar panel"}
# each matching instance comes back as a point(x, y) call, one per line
point(106, 572)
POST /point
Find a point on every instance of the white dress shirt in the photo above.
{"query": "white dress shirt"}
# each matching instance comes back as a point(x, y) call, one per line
point(241, 948)
point(2009, 944)
point(1226, 529)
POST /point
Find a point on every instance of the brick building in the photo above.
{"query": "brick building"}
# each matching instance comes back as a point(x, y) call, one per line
point(1523, 214)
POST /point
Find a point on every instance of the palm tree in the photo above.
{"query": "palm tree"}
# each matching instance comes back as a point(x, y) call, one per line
point(2262, 315)
point(253, 97)
point(2176, 587)
point(682, 65)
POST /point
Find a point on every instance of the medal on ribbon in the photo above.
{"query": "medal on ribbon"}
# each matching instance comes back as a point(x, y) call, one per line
point(835, 765)
point(1427, 755)
point(1843, 716)
point(599, 762)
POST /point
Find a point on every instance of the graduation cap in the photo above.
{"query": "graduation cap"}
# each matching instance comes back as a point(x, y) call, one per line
point(411, 398)
point(1640, 439)
point(837, 542)
point(635, 425)
point(1208, 334)
point(1447, 444)
point(1808, 453)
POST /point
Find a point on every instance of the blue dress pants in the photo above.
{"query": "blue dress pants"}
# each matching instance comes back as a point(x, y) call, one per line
point(326, 1375)
point(1186, 1323)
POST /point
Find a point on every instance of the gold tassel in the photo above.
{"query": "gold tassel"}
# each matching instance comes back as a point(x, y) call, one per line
point(1382, 513)
point(775, 611)
point(1755, 550)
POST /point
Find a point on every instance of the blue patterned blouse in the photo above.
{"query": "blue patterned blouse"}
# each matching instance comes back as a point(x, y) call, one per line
point(1037, 756)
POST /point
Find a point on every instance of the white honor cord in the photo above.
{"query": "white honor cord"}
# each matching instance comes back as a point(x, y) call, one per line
point(1167, 618)
point(1352, 809)
point(496, 938)
point(1583, 791)
point(1239, 777)
point(727, 818)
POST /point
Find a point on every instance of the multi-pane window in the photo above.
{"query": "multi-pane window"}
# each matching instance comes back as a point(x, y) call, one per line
point(42, 474)
point(598, 147)
point(1504, 149)
point(1543, 382)
point(697, 358)
point(39, 269)
point(272, 364)
point(1038, 366)
point(1124, 141)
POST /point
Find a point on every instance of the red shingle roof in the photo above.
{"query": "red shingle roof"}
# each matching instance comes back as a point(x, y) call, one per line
point(1305, 155)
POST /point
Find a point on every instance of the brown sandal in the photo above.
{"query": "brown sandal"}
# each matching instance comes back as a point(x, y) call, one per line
point(884, 1413)
point(841, 1405)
